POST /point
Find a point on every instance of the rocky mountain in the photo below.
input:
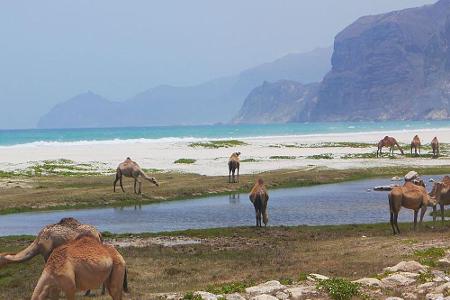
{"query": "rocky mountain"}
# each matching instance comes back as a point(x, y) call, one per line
point(210, 102)
point(278, 102)
point(384, 67)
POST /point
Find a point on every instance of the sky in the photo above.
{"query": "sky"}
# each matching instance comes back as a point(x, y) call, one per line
point(52, 50)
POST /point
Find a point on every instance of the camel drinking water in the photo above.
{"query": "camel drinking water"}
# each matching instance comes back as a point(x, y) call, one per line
point(441, 194)
point(82, 264)
point(259, 197)
point(435, 146)
point(410, 196)
point(130, 168)
point(415, 143)
point(233, 166)
point(390, 142)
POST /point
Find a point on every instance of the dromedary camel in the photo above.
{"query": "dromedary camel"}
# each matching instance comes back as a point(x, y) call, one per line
point(259, 197)
point(50, 237)
point(233, 166)
point(441, 193)
point(390, 142)
point(409, 196)
point(415, 143)
point(129, 168)
point(82, 264)
point(435, 146)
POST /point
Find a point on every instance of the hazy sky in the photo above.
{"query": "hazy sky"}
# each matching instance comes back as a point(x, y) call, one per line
point(51, 50)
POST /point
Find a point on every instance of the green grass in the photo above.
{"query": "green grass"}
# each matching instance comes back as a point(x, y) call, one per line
point(339, 288)
point(360, 155)
point(429, 256)
point(218, 144)
point(191, 296)
point(185, 161)
point(321, 156)
point(250, 160)
point(282, 157)
point(228, 288)
point(325, 145)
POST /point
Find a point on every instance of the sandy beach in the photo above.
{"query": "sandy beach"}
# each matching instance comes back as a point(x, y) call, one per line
point(264, 153)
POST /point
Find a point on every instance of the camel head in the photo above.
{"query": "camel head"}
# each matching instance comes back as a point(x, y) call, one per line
point(153, 180)
point(3, 260)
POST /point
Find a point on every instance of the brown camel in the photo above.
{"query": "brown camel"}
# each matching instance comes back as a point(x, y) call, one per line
point(409, 196)
point(415, 143)
point(441, 194)
point(82, 264)
point(259, 197)
point(435, 146)
point(390, 142)
point(129, 168)
point(233, 166)
point(50, 237)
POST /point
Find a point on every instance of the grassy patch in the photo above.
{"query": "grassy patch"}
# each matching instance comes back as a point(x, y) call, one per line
point(339, 288)
point(282, 157)
point(321, 156)
point(250, 160)
point(218, 144)
point(191, 296)
point(185, 161)
point(228, 288)
point(360, 155)
point(325, 145)
point(425, 277)
point(430, 256)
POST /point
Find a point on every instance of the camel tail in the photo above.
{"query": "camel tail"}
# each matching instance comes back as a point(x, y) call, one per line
point(400, 148)
point(26, 254)
point(125, 281)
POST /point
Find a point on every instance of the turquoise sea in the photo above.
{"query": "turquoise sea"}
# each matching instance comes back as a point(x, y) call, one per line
point(92, 135)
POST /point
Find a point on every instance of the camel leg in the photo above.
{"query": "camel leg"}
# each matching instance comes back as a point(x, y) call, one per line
point(442, 212)
point(116, 281)
point(392, 222)
point(423, 210)
point(415, 219)
point(135, 181)
point(396, 222)
point(42, 288)
point(229, 176)
point(237, 174)
point(140, 187)
point(434, 214)
point(115, 181)
point(121, 185)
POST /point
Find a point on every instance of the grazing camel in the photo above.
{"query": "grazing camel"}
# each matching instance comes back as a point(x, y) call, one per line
point(259, 197)
point(409, 196)
point(82, 264)
point(390, 142)
point(435, 146)
point(441, 193)
point(415, 143)
point(233, 166)
point(129, 168)
point(50, 237)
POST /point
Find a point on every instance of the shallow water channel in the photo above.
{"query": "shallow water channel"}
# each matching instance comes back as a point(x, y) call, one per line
point(341, 203)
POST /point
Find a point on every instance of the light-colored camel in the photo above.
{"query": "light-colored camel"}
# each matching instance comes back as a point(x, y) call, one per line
point(50, 237)
point(233, 166)
point(409, 196)
point(415, 143)
point(130, 168)
point(441, 194)
point(435, 146)
point(259, 197)
point(82, 264)
point(390, 142)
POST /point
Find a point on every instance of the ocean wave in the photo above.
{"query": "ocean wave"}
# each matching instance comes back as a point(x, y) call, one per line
point(190, 139)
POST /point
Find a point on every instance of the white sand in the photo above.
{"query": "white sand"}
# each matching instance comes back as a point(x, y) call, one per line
point(161, 154)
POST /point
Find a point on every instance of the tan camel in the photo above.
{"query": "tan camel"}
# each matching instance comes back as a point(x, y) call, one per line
point(441, 194)
point(129, 168)
point(415, 143)
point(233, 166)
point(409, 196)
point(50, 237)
point(259, 197)
point(435, 146)
point(390, 142)
point(82, 264)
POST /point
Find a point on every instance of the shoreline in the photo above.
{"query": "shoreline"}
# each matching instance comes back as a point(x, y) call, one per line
point(259, 154)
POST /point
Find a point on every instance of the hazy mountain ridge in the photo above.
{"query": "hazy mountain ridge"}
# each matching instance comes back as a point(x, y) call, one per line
point(214, 101)
point(393, 66)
